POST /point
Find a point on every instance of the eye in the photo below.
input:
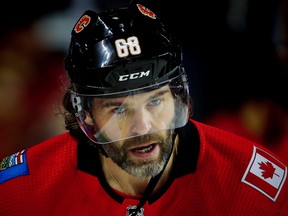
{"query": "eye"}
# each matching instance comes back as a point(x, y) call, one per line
point(155, 102)
point(119, 110)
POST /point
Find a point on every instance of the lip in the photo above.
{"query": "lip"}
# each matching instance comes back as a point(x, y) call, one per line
point(145, 151)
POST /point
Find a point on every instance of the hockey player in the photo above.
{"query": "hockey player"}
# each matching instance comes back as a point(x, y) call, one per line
point(132, 146)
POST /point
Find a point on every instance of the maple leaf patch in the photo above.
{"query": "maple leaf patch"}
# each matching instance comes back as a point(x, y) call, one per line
point(268, 170)
point(265, 173)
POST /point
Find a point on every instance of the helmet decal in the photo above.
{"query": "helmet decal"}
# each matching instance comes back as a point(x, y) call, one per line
point(126, 47)
point(132, 76)
point(82, 23)
point(146, 11)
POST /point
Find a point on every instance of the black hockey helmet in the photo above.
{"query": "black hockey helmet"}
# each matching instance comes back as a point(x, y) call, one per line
point(119, 52)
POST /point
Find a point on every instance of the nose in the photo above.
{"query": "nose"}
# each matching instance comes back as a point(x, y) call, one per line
point(141, 122)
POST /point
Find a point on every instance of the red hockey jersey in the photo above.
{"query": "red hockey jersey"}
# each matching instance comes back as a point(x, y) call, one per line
point(215, 173)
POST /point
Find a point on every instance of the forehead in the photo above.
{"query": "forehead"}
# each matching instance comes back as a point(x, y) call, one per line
point(136, 97)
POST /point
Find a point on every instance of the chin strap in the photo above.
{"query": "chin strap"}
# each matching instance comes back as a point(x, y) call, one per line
point(152, 183)
point(149, 189)
point(102, 151)
point(99, 147)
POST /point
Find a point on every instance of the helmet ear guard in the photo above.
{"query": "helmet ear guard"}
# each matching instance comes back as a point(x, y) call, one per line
point(81, 113)
point(76, 103)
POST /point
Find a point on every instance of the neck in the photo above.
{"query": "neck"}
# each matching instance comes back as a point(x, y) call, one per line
point(122, 181)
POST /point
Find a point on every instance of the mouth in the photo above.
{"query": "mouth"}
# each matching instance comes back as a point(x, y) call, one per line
point(145, 151)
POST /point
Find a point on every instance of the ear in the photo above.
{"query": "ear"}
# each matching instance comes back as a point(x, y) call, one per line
point(88, 120)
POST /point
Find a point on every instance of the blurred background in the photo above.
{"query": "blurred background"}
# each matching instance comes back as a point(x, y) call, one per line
point(235, 54)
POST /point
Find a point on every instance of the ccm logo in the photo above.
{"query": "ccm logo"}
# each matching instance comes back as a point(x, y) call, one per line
point(134, 76)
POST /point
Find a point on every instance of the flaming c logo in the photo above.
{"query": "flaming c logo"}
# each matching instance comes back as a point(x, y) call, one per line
point(82, 23)
point(146, 11)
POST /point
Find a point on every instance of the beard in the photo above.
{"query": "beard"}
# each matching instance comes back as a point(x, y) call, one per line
point(141, 168)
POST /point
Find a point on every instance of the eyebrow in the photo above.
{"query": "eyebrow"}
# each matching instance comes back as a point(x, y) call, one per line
point(117, 103)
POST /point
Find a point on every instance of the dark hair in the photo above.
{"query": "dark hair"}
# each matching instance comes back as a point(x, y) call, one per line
point(71, 123)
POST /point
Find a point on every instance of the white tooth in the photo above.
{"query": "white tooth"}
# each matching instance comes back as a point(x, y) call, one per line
point(145, 149)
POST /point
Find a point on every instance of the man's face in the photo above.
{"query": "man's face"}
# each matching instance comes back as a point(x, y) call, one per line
point(138, 129)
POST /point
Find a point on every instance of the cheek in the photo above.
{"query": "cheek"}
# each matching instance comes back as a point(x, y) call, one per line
point(166, 115)
point(99, 118)
point(110, 127)
point(113, 148)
